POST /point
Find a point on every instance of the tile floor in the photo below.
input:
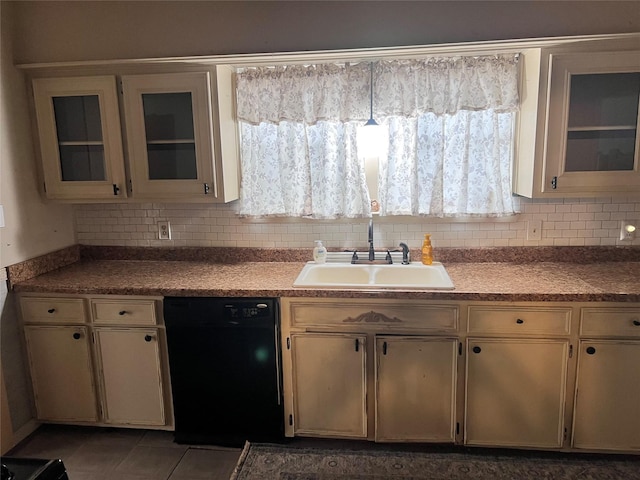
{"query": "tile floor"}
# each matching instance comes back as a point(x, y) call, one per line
point(107, 453)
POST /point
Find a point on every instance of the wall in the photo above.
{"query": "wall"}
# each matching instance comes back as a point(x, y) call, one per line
point(54, 31)
point(32, 227)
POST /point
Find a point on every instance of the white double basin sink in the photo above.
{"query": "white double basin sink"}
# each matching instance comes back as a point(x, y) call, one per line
point(413, 276)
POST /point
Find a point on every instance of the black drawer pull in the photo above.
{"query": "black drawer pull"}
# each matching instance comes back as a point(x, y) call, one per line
point(476, 349)
point(122, 312)
point(591, 350)
point(76, 336)
point(519, 321)
point(51, 310)
point(148, 338)
point(636, 323)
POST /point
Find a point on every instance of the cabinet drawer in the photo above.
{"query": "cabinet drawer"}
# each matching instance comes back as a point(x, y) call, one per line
point(52, 310)
point(370, 315)
point(615, 321)
point(128, 312)
point(523, 320)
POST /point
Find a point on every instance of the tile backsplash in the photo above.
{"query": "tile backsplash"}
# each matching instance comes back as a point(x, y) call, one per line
point(565, 222)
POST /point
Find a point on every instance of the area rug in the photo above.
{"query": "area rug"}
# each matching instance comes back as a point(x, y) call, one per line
point(277, 462)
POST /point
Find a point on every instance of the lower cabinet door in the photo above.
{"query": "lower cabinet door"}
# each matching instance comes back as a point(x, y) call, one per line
point(329, 384)
point(62, 373)
point(604, 418)
point(415, 389)
point(131, 378)
point(515, 392)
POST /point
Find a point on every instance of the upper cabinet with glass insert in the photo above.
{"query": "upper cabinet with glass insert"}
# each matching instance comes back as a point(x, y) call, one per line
point(169, 132)
point(179, 128)
point(592, 139)
point(80, 140)
point(584, 138)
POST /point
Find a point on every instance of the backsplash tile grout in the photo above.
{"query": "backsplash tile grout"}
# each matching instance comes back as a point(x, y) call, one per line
point(565, 222)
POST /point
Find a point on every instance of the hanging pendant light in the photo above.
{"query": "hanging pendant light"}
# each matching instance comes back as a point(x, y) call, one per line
point(372, 136)
point(371, 121)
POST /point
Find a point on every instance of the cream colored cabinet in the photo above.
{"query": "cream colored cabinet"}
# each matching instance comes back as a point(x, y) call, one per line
point(178, 126)
point(606, 414)
point(516, 375)
point(329, 382)
point(604, 417)
point(99, 360)
point(170, 125)
point(416, 389)
point(592, 143)
point(130, 352)
point(80, 142)
point(338, 351)
point(62, 372)
point(584, 140)
point(515, 392)
point(131, 375)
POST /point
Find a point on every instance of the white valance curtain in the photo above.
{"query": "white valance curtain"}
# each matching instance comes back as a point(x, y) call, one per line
point(450, 136)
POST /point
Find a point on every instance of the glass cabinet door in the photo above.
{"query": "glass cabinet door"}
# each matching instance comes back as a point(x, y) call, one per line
point(79, 132)
point(171, 146)
point(602, 124)
point(592, 131)
point(169, 130)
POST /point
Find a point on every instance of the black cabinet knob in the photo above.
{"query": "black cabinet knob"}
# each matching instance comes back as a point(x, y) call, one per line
point(51, 310)
point(476, 349)
point(636, 323)
point(148, 338)
point(591, 350)
point(76, 336)
point(122, 312)
point(520, 321)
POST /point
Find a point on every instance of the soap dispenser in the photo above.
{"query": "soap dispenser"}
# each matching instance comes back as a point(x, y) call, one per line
point(319, 252)
point(427, 250)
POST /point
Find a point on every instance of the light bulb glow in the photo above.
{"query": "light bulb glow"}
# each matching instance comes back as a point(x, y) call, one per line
point(372, 141)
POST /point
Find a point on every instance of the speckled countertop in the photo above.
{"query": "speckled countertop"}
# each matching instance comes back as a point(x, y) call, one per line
point(617, 281)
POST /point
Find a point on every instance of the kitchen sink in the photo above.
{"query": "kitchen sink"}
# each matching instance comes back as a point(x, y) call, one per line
point(375, 276)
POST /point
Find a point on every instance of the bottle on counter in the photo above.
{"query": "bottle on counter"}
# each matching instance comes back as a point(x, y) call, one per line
point(319, 252)
point(427, 250)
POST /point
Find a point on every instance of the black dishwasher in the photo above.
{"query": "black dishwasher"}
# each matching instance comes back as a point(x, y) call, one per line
point(224, 359)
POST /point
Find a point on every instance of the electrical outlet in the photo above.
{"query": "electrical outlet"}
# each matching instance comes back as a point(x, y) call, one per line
point(627, 230)
point(164, 230)
point(534, 230)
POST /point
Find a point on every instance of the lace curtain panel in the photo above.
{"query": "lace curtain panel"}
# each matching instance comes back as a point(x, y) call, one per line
point(448, 123)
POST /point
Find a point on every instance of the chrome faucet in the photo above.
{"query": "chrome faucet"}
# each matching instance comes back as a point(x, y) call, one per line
point(405, 253)
point(372, 252)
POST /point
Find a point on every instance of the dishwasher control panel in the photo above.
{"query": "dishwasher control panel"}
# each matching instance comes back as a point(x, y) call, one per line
point(244, 310)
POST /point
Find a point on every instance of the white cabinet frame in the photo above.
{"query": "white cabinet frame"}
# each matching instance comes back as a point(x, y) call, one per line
point(104, 87)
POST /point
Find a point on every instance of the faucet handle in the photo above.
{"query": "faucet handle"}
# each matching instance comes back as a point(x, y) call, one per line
point(405, 253)
point(388, 258)
point(354, 257)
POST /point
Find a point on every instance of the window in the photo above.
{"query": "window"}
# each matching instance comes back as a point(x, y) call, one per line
point(448, 135)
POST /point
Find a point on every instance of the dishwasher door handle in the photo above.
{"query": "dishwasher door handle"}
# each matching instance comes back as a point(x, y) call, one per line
point(276, 327)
